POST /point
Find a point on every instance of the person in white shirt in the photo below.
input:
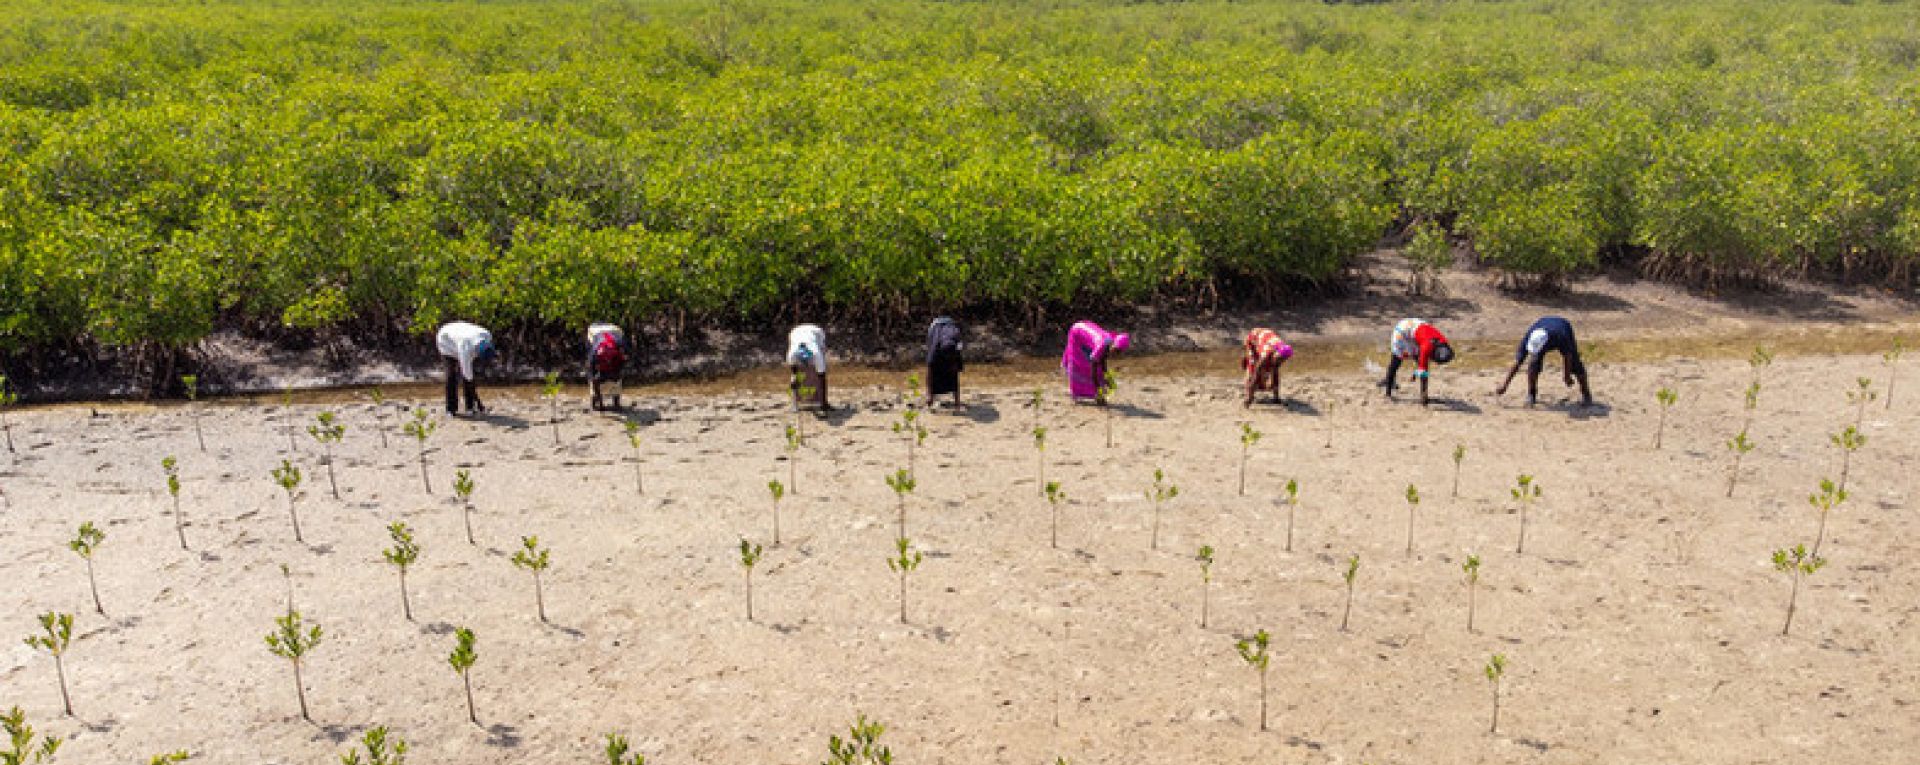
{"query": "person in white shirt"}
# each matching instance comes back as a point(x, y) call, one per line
point(807, 355)
point(461, 344)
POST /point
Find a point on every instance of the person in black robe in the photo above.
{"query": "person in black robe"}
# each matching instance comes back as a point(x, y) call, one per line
point(944, 360)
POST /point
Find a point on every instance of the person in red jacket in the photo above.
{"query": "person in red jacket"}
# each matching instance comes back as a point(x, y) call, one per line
point(1420, 342)
point(606, 362)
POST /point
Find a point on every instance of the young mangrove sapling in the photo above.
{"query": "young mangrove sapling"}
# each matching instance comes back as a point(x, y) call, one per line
point(1040, 450)
point(617, 748)
point(861, 747)
point(1293, 503)
point(1796, 562)
point(1892, 360)
point(168, 758)
point(1054, 497)
point(1496, 668)
point(534, 558)
point(463, 491)
point(793, 459)
point(1253, 651)
point(1036, 400)
point(779, 492)
point(1205, 556)
point(1159, 494)
point(915, 434)
point(749, 557)
point(379, 752)
point(1248, 437)
point(1353, 570)
point(59, 634)
point(402, 555)
point(1739, 445)
point(1860, 398)
point(286, 573)
point(1849, 441)
point(379, 413)
point(1472, 567)
point(1830, 497)
point(1524, 492)
point(1666, 397)
point(1105, 399)
point(902, 484)
point(421, 428)
point(1413, 502)
point(328, 431)
point(633, 440)
point(172, 467)
point(550, 390)
point(192, 384)
point(1752, 404)
point(21, 749)
point(904, 562)
point(462, 659)
point(1459, 456)
point(293, 640)
point(84, 542)
point(287, 476)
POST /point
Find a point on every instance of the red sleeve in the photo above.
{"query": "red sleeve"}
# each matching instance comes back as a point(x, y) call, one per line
point(1427, 337)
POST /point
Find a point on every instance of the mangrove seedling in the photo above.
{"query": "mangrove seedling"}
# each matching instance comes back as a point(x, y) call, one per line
point(293, 640)
point(909, 427)
point(1795, 562)
point(192, 384)
point(59, 633)
point(1472, 568)
point(288, 478)
point(1353, 570)
point(1413, 503)
point(861, 747)
point(1330, 405)
point(902, 484)
point(550, 390)
point(1666, 397)
point(379, 413)
point(172, 467)
point(1892, 360)
point(903, 563)
point(421, 428)
point(462, 659)
point(793, 459)
point(1752, 403)
point(328, 431)
point(1524, 492)
point(1105, 399)
point(1759, 361)
point(1293, 503)
point(169, 758)
point(633, 440)
point(84, 542)
point(463, 491)
point(402, 555)
point(378, 751)
point(1037, 400)
point(1054, 497)
point(1158, 495)
point(1253, 651)
point(534, 558)
point(21, 749)
point(1205, 556)
point(779, 492)
point(1849, 441)
point(749, 557)
point(1459, 456)
point(1040, 449)
point(1248, 437)
point(1830, 497)
point(1739, 445)
point(806, 394)
point(617, 748)
point(1860, 397)
point(1496, 668)
point(286, 572)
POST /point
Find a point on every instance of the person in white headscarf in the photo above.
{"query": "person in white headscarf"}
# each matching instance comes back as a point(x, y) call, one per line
point(462, 345)
point(807, 360)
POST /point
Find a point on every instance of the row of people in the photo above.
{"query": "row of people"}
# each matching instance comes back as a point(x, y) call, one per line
point(1084, 360)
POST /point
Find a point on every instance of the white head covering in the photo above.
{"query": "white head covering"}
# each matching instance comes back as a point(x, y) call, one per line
point(1536, 342)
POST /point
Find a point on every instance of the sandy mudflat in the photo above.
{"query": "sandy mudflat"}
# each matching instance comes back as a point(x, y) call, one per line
point(1642, 623)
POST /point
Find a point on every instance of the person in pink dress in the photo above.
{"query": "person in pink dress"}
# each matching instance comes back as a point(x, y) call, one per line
point(1085, 359)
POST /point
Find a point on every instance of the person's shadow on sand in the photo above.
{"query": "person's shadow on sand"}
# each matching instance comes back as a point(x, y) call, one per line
point(1453, 405)
point(498, 419)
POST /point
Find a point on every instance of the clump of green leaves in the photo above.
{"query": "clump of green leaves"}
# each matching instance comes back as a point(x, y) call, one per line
point(909, 427)
point(463, 491)
point(1472, 569)
point(192, 385)
point(287, 476)
point(172, 468)
point(328, 431)
point(1739, 445)
point(1293, 504)
point(402, 556)
point(462, 659)
point(1666, 397)
point(1828, 498)
point(1352, 572)
point(293, 640)
point(1254, 652)
point(84, 542)
point(1205, 556)
point(169, 758)
point(421, 428)
point(617, 748)
point(1848, 441)
point(1040, 451)
point(1159, 494)
point(1459, 456)
point(1796, 562)
point(1054, 497)
point(533, 558)
point(749, 557)
point(1525, 492)
point(379, 413)
point(21, 749)
point(778, 491)
point(903, 562)
point(1862, 395)
point(1413, 503)
point(1248, 437)
point(902, 483)
point(633, 440)
point(860, 747)
point(379, 752)
point(550, 390)
point(1496, 668)
point(57, 634)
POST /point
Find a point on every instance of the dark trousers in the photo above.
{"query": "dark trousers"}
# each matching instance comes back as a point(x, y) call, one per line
point(455, 386)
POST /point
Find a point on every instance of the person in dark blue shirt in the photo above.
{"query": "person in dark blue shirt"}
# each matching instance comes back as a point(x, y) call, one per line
point(1550, 333)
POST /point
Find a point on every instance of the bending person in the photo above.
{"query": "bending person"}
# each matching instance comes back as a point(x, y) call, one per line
point(1265, 352)
point(1085, 359)
point(1420, 342)
point(807, 360)
point(944, 361)
point(1550, 333)
point(462, 345)
point(606, 360)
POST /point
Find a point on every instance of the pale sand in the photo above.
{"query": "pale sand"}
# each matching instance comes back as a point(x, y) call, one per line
point(1642, 623)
